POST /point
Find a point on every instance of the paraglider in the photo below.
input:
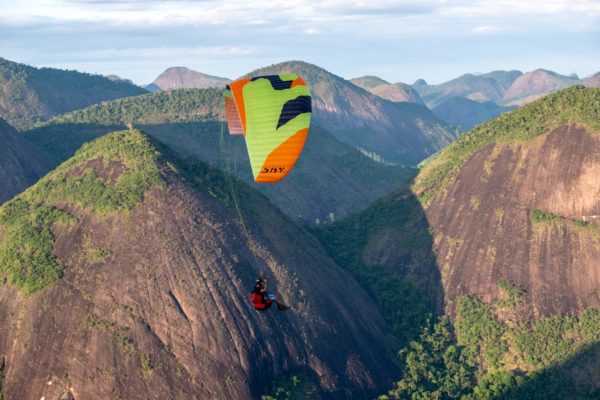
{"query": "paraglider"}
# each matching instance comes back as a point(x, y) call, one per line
point(262, 299)
point(273, 114)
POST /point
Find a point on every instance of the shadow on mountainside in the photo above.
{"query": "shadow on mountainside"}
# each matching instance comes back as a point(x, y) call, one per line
point(389, 249)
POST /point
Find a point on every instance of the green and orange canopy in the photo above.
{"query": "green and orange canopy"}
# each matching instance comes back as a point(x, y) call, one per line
point(273, 113)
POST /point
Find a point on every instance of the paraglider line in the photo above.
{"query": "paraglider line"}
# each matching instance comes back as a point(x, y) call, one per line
point(234, 191)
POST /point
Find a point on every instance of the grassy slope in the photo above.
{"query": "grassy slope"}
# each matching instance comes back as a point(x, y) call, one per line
point(26, 246)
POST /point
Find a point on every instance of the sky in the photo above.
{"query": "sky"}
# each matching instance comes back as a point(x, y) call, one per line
point(399, 41)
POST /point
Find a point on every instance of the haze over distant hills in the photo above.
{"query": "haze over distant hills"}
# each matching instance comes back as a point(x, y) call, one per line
point(534, 84)
point(185, 78)
point(397, 92)
point(502, 87)
point(466, 114)
point(485, 87)
point(29, 95)
point(475, 98)
point(592, 81)
point(472, 99)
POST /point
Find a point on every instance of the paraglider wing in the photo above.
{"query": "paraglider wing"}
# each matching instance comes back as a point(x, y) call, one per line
point(233, 120)
point(273, 113)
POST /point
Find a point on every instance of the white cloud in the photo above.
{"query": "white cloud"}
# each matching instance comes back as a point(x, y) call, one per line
point(168, 52)
point(486, 29)
point(347, 33)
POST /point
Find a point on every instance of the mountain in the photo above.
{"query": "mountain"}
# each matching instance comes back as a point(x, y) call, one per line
point(127, 272)
point(117, 78)
point(504, 79)
point(592, 81)
point(29, 95)
point(397, 92)
point(514, 200)
point(535, 84)
point(502, 228)
point(185, 78)
point(369, 82)
point(483, 87)
point(466, 114)
point(21, 164)
point(400, 133)
point(330, 180)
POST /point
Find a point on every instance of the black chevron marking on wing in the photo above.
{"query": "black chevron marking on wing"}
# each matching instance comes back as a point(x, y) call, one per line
point(276, 82)
point(292, 108)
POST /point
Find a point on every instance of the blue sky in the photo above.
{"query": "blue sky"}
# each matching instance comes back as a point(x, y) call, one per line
point(396, 40)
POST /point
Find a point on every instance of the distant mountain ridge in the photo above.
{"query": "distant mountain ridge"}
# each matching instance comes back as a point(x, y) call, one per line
point(536, 83)
point(397, 92)
point(494, 90)
point(185, 78)
point(592, 81)
point(29, 94)
point(484, 87)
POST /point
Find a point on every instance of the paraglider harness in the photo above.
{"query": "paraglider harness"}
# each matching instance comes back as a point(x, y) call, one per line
point(260, 298)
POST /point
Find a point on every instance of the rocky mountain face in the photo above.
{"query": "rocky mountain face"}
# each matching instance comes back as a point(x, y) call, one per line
point(21, 164)
point(397, 92)
point(127, 272)
point(29, 95)
point(400, 133)
point(330, 180)
point(466, 114)
point(515, 200)
point(501, 231)
point(523, 207)
point(185, 78)
point(535, 84)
